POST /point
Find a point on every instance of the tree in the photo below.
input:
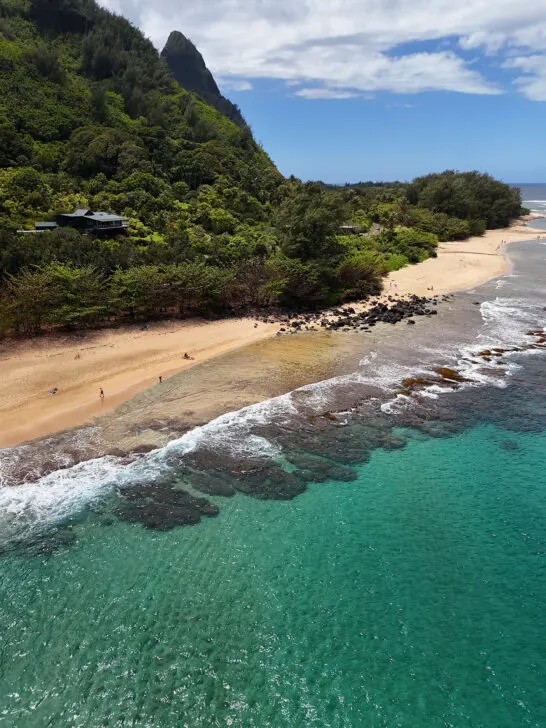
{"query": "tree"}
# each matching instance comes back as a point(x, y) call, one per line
point(30, 298)
point(308, 222)
point(468, 195)
point(359, 276)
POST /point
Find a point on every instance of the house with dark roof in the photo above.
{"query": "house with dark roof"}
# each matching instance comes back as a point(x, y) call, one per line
point(86, 221)
point(92, 222)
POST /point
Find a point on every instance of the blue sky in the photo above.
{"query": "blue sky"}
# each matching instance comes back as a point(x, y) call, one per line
point(348, 90)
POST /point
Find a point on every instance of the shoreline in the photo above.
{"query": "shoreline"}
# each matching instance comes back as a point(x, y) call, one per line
point(128, 361)
point(465, 264)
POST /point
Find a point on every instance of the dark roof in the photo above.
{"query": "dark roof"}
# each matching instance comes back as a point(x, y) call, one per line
point(80, 212)
point(104, 217)
point(90, 215)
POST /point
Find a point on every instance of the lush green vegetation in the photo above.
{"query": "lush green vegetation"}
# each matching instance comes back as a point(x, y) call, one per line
point(90, 115)
point(471, 196)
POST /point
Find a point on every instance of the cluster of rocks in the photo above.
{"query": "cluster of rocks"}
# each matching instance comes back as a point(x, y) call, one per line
point(316, 446)
point(162, 506)
point(347, 318)
point(495, 353)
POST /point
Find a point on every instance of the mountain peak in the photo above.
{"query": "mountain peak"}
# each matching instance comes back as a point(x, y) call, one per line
point(188, 65)
point(190, 70)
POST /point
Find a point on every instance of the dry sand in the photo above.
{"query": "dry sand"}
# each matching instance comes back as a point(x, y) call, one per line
point(461, 265)
point(127, 361)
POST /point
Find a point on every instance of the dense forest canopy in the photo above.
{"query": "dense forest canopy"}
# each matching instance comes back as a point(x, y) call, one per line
point(91, 116)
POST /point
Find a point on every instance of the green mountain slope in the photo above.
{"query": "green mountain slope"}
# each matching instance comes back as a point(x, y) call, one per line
point(189, 69)
point(86, 102)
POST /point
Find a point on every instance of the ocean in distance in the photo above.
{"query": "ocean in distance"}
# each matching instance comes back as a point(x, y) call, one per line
point(534, 198)
point(404, 586)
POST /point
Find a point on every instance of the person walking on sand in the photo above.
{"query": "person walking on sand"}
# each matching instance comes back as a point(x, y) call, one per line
point(160, 379)
point(101, 393)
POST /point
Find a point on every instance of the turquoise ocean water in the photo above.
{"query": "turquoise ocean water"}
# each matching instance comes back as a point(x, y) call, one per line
point(413, 595)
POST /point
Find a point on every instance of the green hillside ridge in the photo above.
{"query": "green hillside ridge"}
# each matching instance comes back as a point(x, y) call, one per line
point(91, 116)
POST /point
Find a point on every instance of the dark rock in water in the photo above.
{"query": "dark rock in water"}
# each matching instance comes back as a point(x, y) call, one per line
point(162, 507)
point(116, 452)
point(449, 374)
point(413, 383)
point(509, 445)
point(45, 544)
point(317, 469)
point(143, 448)
point(210, 484)
point(274, 484)
point(222, 463)
point(341, 473)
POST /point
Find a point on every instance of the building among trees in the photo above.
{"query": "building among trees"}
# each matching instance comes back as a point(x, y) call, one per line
point(87, 221)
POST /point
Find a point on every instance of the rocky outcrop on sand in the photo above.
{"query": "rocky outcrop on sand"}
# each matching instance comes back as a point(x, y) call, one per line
point(349, 318)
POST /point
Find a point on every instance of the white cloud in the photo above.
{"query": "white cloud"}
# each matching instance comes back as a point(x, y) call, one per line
point(325, 93)
point(234, 84)
point(533, 84)
point(491, 42)
point(349, 46)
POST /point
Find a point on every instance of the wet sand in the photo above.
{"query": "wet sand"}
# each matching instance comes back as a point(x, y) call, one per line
point(128, 361)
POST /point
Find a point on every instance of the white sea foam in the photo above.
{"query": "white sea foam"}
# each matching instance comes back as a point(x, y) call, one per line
point(27, 509)
point(368, 358)
point(505, 325)
point(397, 405)
point(538, 206)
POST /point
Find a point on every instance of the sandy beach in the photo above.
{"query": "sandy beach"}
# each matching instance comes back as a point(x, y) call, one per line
point(126, 361)
point(122, 361)
point(462, 265)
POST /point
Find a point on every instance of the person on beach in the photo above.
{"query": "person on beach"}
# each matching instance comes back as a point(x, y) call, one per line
point(101, 393)
point(160, 379)
point(187, 356)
